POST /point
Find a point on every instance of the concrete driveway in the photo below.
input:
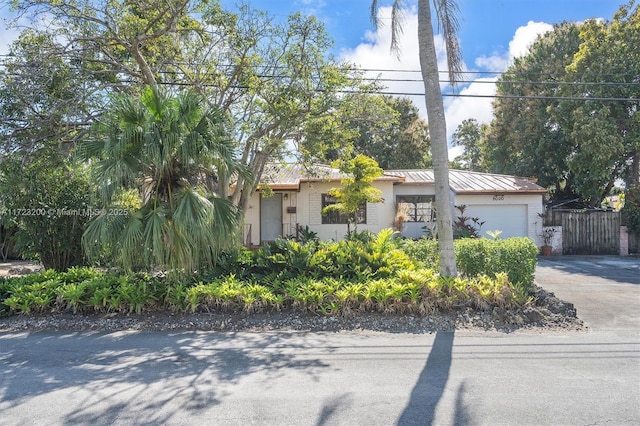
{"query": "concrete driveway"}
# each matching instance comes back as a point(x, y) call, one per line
point(604, 289)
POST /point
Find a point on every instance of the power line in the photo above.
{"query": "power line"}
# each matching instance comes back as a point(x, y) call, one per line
point(533, 83)
point(450, 95)
point(455, 95)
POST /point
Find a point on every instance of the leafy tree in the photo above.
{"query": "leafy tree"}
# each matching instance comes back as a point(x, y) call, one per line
point(171, 150)
point(356, 189)
point(403, 143)
point(608, 132)
point(523, 139)
point(385, 128)
point(470, 135)
point(48, 201)
point(569, 117)
point(40, 100)
point(446, 14)
point(270, 77)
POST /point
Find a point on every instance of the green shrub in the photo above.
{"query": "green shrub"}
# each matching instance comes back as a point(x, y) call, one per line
point(517, 257)
point(423, 251)
point(361, 258)
point(47, 200)
point(382, 274)
point(281, 255)
point(631, 209)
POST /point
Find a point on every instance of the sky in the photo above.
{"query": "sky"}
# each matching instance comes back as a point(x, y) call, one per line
point(492, 34)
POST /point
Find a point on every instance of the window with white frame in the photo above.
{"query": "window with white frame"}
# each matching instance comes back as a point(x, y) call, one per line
point(335, 217)
point(418, 208)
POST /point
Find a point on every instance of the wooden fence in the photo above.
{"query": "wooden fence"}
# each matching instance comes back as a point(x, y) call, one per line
point(634, 244)
point(588, 231)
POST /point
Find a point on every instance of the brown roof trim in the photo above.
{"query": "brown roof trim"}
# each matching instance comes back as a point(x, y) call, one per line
point(500, 192)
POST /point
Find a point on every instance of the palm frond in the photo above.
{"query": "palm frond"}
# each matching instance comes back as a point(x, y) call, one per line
point(155, 240)
point(397, 19)
point(447, 12)
point(165, 147)
point(131, 239)
point(373, 13)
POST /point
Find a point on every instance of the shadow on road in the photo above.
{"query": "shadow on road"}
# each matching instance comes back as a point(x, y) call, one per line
point(623, 270)
point(431, 384)
point(125, 366)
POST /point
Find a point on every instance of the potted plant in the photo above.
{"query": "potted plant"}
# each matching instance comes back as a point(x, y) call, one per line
point(547, 237)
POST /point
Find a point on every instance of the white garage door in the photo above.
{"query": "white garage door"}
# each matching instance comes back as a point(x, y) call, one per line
point(510, 219)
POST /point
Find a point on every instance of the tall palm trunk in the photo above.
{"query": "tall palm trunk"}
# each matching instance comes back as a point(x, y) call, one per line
point(438, 135)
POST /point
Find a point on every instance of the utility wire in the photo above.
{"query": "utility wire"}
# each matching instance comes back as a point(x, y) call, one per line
point(451, 95)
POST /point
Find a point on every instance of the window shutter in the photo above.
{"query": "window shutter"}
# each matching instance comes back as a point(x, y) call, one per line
point(372, 213)
point(315, 209)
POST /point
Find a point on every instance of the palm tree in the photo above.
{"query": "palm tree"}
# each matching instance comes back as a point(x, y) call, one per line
point(446, 11)
point(171, 153)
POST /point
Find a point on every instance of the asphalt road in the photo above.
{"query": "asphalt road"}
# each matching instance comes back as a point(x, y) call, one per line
point(354, 378)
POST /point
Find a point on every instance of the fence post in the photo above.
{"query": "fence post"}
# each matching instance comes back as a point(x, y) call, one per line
point(624, 241)
point(556, 242)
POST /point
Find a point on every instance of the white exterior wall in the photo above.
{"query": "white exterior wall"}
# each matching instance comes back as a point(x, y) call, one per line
point(531, 207)
point(252, 220)
point(379, 215)
point(308, 205)
point(307, 202)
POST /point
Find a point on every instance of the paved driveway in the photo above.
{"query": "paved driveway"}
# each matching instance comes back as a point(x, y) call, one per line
point(604, 289)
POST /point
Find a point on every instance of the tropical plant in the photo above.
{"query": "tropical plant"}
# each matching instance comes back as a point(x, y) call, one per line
point(171, 150)
point(446, 12)
point(356, 189)
point(465, 226)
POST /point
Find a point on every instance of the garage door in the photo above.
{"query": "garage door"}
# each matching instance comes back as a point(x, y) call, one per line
point(510, 219)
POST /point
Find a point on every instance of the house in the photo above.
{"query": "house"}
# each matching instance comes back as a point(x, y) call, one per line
point(298, 194)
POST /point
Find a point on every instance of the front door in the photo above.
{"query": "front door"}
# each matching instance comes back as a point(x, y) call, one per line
point(270, 217)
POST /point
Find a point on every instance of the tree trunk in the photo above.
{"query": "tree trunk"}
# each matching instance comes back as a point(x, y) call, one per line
point(438, 134)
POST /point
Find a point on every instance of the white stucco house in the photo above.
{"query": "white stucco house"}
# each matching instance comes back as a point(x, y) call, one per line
point(507, 203)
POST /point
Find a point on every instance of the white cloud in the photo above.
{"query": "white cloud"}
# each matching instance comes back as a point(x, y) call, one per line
point(519, 46)
point(7, 36)
point(459, 109)
point(525, 37)
point(373, 53)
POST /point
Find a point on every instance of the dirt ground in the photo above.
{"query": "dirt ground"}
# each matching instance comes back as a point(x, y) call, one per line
point(18, 267)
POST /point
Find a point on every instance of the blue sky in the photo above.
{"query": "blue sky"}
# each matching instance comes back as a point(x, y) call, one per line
point(487, 25)
point(493, 32)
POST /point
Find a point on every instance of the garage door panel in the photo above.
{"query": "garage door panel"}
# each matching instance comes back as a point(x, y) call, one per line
point(510, 219)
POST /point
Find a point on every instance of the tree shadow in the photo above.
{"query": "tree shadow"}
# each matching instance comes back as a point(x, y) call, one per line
point(430, 386)
point(461, 415)
point(330, 407)
point(620, 270)
point(125, 374)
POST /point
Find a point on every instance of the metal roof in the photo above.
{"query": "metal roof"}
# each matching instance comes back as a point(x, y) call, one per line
point(290, 176)
point(467, 182)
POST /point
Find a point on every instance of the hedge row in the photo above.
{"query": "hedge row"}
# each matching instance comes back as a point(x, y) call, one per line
point(368, 273)
point(517, 257)
point(83, 290)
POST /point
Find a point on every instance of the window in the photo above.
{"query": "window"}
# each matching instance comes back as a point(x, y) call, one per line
point(419, 208)
point(334, 217)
